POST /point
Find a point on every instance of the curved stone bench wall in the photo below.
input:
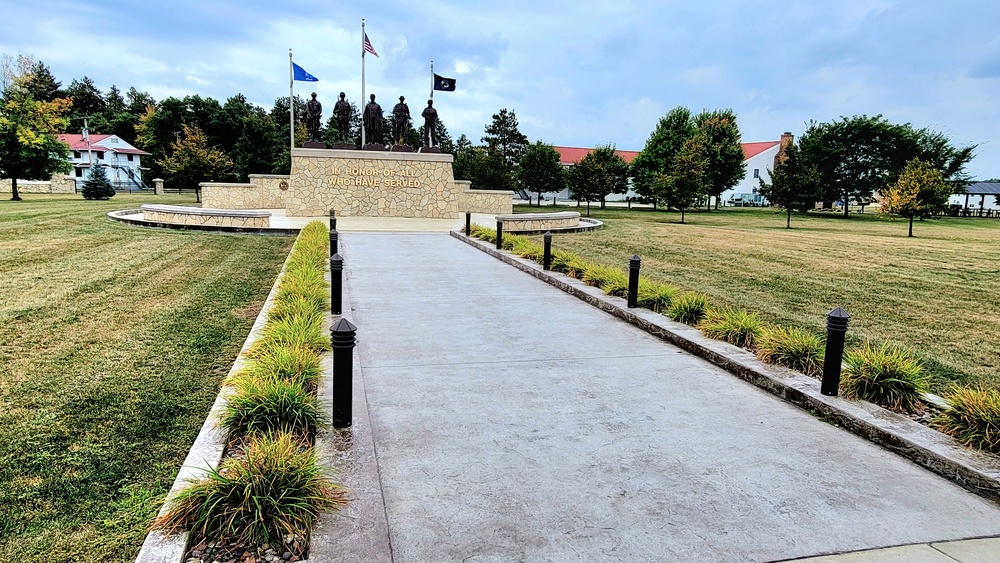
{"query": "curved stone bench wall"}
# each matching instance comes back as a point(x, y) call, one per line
point(532, 222)
point(181, 215)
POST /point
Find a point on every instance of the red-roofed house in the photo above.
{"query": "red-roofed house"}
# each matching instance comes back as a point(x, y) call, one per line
point(122, 160)
point(758, 157)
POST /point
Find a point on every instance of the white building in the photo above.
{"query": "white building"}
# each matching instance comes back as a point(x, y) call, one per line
point(122, 160)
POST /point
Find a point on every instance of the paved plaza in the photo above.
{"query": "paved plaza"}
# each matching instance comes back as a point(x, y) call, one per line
point(513, 422)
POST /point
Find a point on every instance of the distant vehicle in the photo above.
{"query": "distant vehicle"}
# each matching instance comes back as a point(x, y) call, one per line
point(747, 200)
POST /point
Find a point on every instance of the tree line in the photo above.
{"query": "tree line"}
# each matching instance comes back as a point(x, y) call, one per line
point(864, 159)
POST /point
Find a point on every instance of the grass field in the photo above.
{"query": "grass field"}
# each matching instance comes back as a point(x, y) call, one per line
point(113, 344)
point(937, 293)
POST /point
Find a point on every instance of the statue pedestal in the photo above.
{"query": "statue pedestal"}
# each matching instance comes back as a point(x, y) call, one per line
point(314, 145)
point(344, 146)
point(373, 147)
point(430, 150)
point(401, 148)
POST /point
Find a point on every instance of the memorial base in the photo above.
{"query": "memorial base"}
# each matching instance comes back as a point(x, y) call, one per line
point(430, 150)
point(401, 148)
point(344, 146)
point(314, 145)
point(373, 147)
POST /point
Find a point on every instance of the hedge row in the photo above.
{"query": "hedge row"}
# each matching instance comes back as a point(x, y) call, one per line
point(888, 376)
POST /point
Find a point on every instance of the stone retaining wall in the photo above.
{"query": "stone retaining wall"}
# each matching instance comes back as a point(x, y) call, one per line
point(485, 201)
point(372, 184)
point(58, 184)
point(262, 192)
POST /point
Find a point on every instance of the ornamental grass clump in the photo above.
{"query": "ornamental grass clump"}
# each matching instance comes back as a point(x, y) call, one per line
point(305, 283)
point(296, 365)
point(276, 488)
point(599, 275)
point(258, 407)
point(484, 233)
point(655, 296)
point(688, 308)
point(292, 305)
point(886, 376)
point(296, 331)
point(793, 348)
point(973, 418)
point(738, 327)
point(528, 250)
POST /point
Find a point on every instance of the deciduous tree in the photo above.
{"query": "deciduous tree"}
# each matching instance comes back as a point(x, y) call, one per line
point(662, 146)
point(920, 191)
point(29, 148)
point(688, 180)
point(193, 161)
point(723, 150)
point(615, 181)
point(539, 170)
point(794, 185)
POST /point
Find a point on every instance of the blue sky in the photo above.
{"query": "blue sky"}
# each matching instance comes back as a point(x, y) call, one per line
point(576, 73)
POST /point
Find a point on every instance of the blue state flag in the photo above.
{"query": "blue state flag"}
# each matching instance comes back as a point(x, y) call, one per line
point(301, 75)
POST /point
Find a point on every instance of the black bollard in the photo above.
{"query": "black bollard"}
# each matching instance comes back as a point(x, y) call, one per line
point(547, 253)
point(836, 328)
point(468, 224)
point(333, 220)
point(334, 242)
point(342, 337)
point(336, 284)
point(499, 235)
point(634, 263)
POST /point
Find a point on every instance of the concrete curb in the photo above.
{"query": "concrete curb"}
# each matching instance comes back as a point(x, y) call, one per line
point(942, 454)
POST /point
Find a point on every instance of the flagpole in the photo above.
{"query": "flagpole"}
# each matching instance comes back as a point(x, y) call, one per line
point(291, 104)
point(363, 98)
point(432, 79)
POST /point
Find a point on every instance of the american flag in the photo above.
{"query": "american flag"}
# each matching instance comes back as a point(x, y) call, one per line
point(368, 46)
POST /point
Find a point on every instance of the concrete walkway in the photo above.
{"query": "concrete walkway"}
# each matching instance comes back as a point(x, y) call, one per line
point(513, 422)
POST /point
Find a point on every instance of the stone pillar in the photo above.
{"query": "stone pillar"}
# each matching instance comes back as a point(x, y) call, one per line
point(157, 186)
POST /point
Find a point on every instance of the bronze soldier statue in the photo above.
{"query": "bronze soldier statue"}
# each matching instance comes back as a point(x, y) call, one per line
point(430, 116)
point(372, 121)
point(342, 113)
point(401, 121)
point(314, 111)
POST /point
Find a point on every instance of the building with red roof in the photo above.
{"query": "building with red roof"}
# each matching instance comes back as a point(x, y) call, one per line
point(122, 160)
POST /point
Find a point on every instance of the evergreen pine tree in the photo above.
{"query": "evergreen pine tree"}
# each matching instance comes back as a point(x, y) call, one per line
point(97, 185)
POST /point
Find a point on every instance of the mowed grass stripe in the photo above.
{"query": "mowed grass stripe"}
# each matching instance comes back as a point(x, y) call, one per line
point(111, 354)
point(938, 293)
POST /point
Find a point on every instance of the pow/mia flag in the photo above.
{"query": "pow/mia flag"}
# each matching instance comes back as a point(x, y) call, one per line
point(444, 84)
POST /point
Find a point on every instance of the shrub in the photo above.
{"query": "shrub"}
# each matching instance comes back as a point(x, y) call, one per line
point(735, 326)
point(793, 348)
point(887, 376)
point(655, 296)
point(688, 308)
point(973, 418)
point(277, 488)
point(304, 331)
point(300, 366)
point(271, 406)
point(97, 185)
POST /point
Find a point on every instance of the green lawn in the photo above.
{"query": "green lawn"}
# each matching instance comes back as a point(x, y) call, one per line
point(937, 293)
point(113, 344)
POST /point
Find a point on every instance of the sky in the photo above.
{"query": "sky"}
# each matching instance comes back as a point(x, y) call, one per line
point(577, 73)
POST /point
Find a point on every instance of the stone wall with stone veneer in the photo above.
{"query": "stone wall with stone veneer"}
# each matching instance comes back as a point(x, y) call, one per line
point(203, 216)
point(485, 201)
point(539, 221)
point(263, 192)
point(58, 184)
point(372, 184)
